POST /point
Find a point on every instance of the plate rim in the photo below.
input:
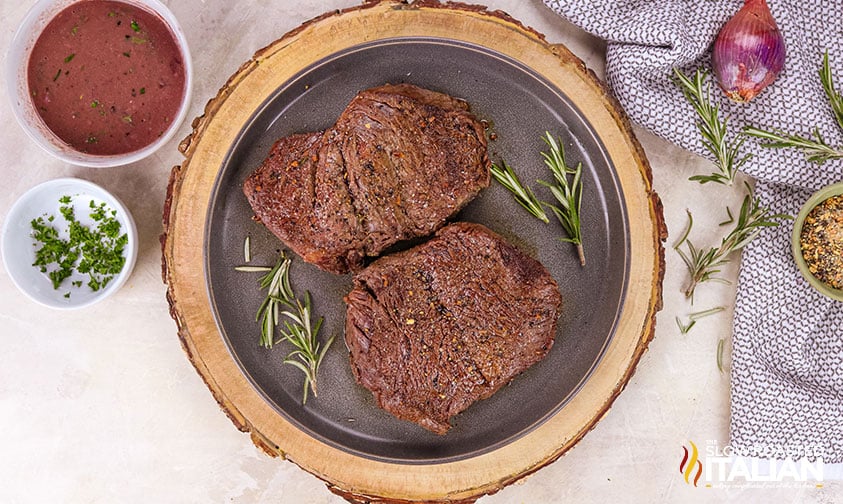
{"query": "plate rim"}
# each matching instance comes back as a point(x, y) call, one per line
point(215, 194)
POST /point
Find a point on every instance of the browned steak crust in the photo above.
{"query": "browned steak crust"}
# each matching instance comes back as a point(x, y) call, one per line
point(399, 162)
point(437, 327)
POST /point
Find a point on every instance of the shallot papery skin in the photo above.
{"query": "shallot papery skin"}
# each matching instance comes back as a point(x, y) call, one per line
point(749, 52)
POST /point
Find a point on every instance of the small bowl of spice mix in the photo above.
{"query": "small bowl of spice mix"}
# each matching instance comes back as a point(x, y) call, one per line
point(99, 82)
point(817, 241)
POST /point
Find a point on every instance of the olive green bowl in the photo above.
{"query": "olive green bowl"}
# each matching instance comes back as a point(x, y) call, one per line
point(796, 243)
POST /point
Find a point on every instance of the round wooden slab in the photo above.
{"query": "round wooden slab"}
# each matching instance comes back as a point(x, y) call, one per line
point(356, 478)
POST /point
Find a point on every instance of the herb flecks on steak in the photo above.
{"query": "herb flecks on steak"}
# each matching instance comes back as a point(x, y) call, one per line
point(435, 328)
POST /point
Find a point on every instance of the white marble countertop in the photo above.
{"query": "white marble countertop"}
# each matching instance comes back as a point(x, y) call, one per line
point(102, 405)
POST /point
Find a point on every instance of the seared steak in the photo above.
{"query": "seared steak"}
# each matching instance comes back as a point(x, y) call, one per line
point(399, 161)
point(437, 327)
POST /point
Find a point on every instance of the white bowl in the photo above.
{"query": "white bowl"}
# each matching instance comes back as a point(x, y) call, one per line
point(17, 60)
point(19, 251)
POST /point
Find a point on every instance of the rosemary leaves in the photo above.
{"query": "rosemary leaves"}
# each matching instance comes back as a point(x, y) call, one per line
point(834, 98)
point(568, 193)
point(715, 135)
point(525, 197)
point(704, 264)
point(684, 327)
point(299, 330)
point(566, 188)
point(816, 149)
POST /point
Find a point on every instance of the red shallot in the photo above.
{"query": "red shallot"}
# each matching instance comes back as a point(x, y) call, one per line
point(749, 52)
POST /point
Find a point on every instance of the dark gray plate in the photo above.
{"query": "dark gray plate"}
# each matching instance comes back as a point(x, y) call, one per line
point(520, 106)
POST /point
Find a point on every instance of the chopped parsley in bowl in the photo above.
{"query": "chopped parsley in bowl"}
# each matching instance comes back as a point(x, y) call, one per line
point(68, 243)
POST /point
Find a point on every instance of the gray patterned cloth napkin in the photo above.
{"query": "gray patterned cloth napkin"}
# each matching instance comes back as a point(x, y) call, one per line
point(787, 359)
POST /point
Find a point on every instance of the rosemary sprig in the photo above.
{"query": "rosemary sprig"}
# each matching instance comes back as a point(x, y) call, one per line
point(298, 329)
point(684, 327)
point(697, 91)
point(568, 193)
point(302, 334)
point(523, 194)
point(268, 313)
point(704, 264)
point(834, 97)
point(816, 149)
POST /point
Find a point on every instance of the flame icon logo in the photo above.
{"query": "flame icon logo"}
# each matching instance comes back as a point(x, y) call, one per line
point(691, 464)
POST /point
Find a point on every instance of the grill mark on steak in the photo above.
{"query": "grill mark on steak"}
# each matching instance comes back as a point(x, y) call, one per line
point(435, 328)
point(359, 218)
point(392, 156)
point(397, 164)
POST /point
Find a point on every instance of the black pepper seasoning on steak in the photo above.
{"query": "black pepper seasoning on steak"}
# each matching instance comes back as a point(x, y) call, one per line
point(435, 328)
point(399, 161)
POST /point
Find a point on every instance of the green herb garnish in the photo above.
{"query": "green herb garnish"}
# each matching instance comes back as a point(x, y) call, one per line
point(69, 57)
point(816, 149)
point(704, 264)
point(523, 195)
point(95, 104)
point(135, 26)
point(298, 329)
point(143, 90)
point(95, 251)
point(58, 74)
point(834, 98)
point(714, 131)
point(568, 193)
point(684, 327)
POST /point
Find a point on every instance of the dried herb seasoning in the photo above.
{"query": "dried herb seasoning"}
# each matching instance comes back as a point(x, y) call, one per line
point(821, 240)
